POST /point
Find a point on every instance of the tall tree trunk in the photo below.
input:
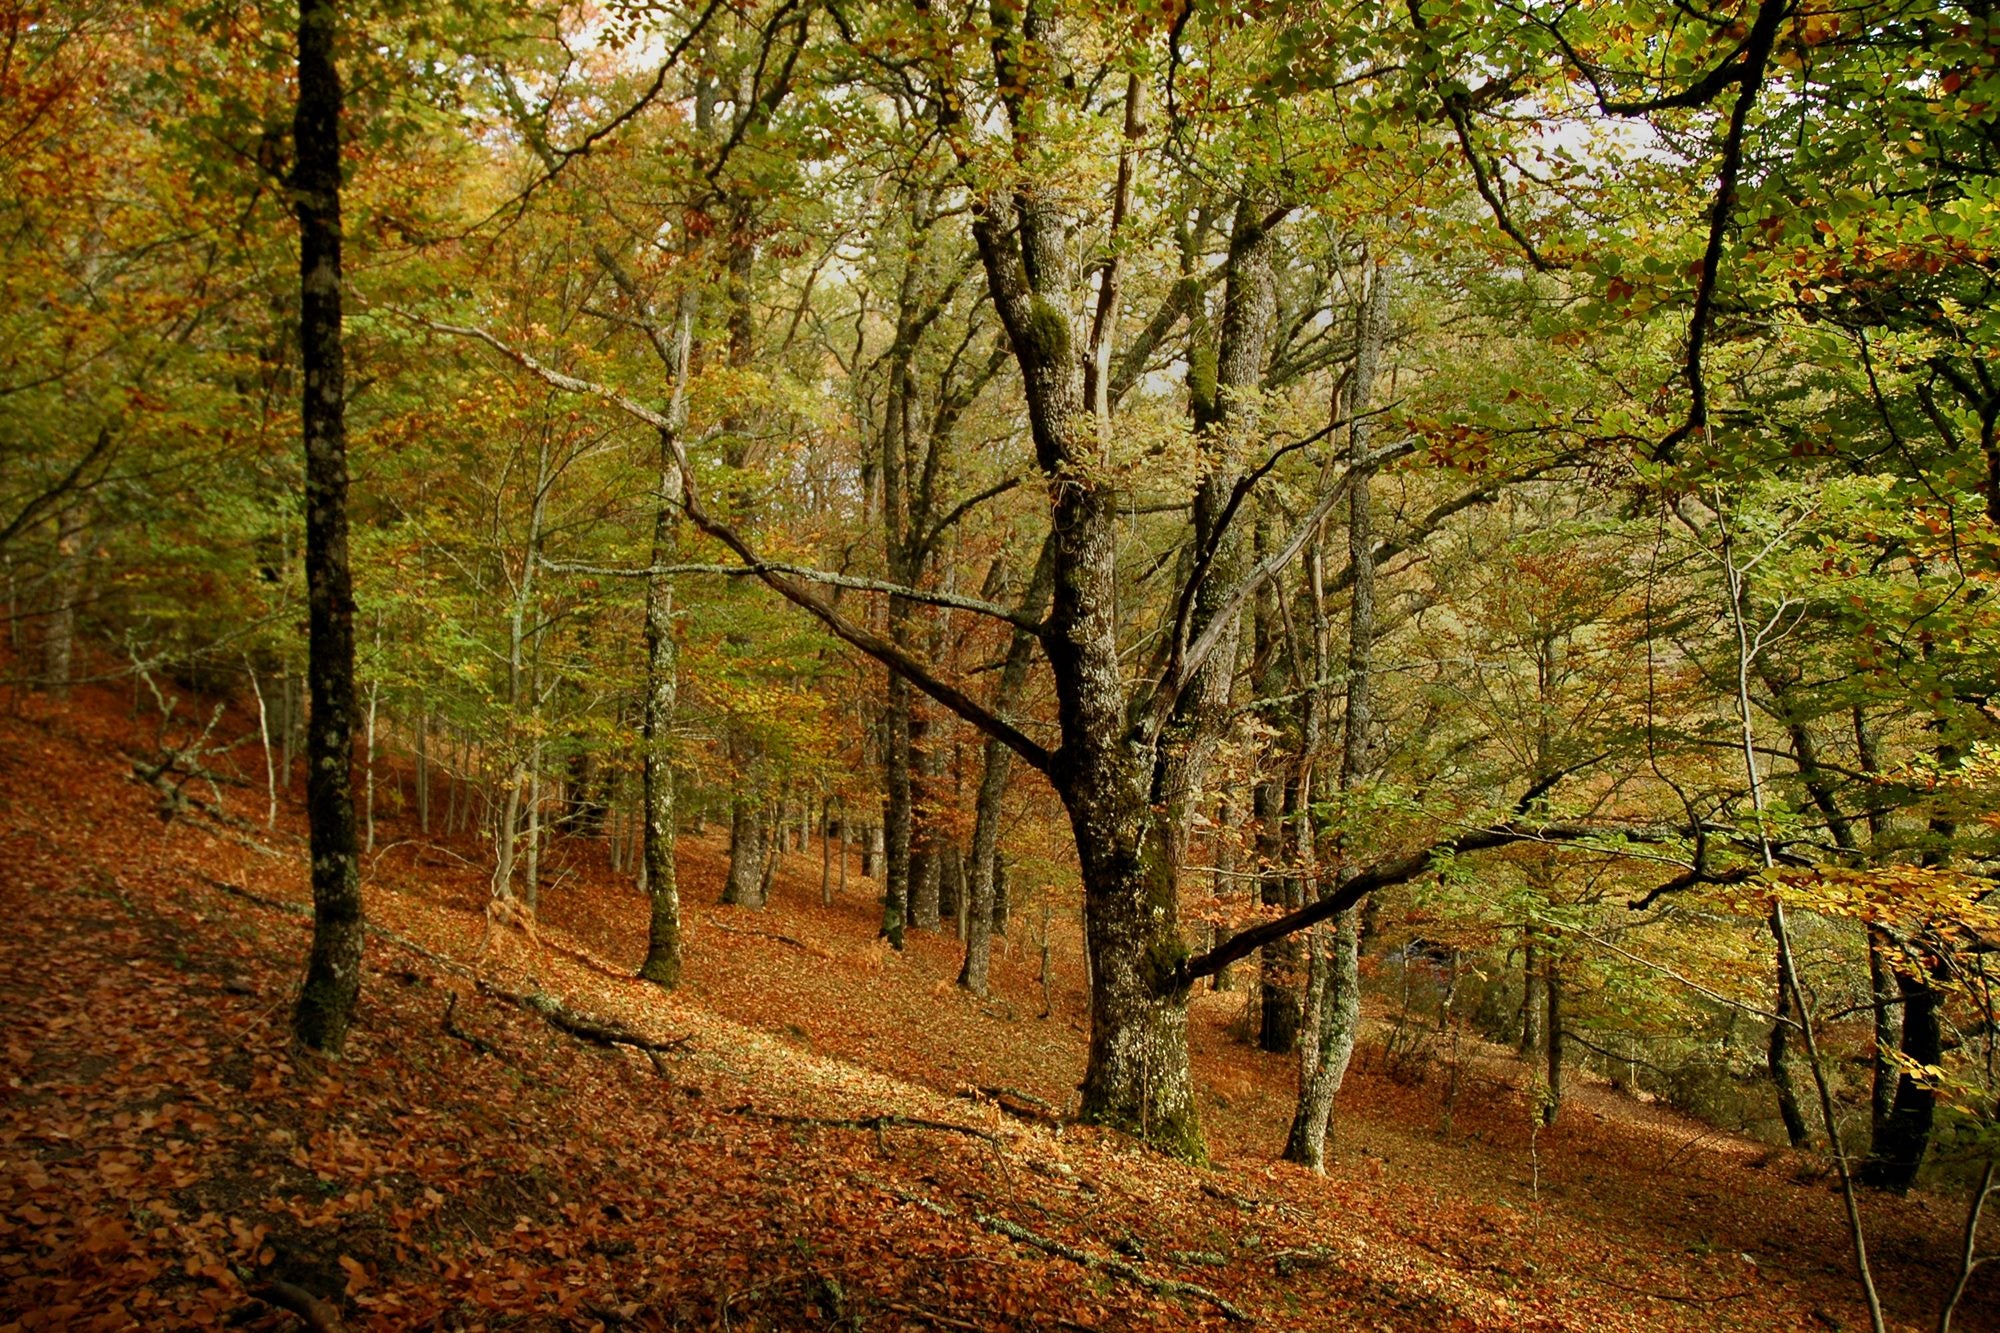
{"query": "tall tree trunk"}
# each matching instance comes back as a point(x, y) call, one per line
point(748, 852)
point(1334, 974)
point(872, 854)
point(983, 908)
point(1225, 868)
point(531, 871)
point(925, 850)
point(1777, 1056)
point(424, 768)
point(59, 633)
point(1530, 1040)
point(1552, 1082)
point(1226, 405)
point(1888, 1034)
point(662, 965)
point(826, 852)
point(895, 830)
point(1898, 1151)
point(368, 837)
point(333, 968)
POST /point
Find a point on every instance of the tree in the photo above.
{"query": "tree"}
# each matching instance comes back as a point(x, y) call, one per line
point(333, 969)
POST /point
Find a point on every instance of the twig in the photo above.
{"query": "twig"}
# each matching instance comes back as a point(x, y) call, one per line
point(932, 1316)
point(451, 1029)
point(315, 1313)
point(1019, 1104)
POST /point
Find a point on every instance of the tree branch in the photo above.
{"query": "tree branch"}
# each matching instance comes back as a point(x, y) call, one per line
point(885, 651)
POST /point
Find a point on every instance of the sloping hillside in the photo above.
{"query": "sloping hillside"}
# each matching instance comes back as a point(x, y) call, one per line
point(815, 1133)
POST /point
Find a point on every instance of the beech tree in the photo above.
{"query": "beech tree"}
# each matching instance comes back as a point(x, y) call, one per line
point(333, 969)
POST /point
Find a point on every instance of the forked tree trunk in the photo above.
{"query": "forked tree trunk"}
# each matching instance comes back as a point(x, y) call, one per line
point(333, 969)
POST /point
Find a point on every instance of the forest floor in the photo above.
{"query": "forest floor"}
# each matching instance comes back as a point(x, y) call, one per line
point(813, 1148)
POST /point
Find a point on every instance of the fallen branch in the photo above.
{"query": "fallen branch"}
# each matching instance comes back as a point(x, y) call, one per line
point(596, 1031)
point(1062, 1250)
point(877, 1123)
point(1019, 1104)
point(1287, 1262)
point(315, 1313)
point(933, 1317)
point(479, 1044)
point(396, 938)
point(1676, 1298)
point(815, 951)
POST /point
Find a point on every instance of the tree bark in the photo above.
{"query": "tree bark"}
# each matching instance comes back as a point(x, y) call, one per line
point(894, 832)
point(1334, 973)
point(59, 634)
point(333, 969)
point(1552, 1082)
point(1532, 1007)
point(748, 852)
point(1777, 1056)
point(984, 911)
point(662, 965)
point(1898, 1150)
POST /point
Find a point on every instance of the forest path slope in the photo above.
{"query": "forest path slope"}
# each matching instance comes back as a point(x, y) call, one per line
point(163, 1153)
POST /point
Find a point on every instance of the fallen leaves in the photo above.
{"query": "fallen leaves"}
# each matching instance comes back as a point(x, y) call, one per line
point(166, 1161)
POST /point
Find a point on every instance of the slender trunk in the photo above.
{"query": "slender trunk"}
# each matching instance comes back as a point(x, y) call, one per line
point(507, 833)
point(662, 965)
point(424, 769)
point(895, 831)
point(1777, 1056)
point(264, 735)
point(1738, 589)
point(531, 871)
point(368, 767)
point(1898, 1150)
point(1888, 1034)
point(826, 851)
point(59, 633)
point(1334, 978)
point(333, 969)
point(983, 909)
point(1552, 1079)
point(951, 887)
point(1225, 401)
point(1531, 994)
point(1225, 872)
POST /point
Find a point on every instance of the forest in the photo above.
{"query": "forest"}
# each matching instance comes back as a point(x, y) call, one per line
point(991, 664)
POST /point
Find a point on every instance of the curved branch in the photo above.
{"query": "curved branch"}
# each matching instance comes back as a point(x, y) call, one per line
point(810, 575)
point(891, 655)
